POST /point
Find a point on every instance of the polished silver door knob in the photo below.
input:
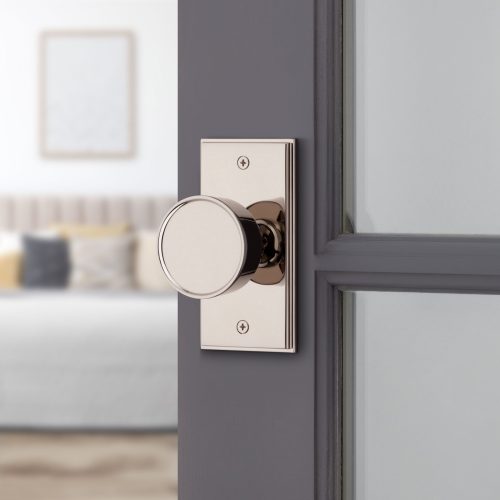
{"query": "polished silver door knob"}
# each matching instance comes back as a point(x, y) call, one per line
point(208, 246)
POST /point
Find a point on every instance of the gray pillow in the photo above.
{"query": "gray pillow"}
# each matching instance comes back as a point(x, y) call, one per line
point(45, 262)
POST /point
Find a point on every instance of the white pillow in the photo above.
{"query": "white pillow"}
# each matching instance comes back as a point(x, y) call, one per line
point(10, 242)
point(148, 272)
point(102, 262)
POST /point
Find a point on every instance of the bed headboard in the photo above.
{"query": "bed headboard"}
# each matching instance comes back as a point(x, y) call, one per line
point(27, 213)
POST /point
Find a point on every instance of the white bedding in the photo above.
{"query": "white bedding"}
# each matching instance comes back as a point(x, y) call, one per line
point(88, 360)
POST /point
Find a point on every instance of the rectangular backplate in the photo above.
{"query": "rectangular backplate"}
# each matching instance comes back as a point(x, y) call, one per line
point(269, 310)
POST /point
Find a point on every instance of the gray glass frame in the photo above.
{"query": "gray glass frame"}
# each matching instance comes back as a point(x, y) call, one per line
point(347, 261)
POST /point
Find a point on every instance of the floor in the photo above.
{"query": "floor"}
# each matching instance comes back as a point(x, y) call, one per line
point(78, 466)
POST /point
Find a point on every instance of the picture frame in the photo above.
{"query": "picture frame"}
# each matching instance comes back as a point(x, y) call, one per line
point(87, 94)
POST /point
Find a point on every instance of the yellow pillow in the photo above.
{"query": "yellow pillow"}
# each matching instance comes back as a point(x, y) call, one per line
point(90, 230)
point(10, 270)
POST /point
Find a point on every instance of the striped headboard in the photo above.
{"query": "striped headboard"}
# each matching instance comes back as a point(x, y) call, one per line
point(27, 213)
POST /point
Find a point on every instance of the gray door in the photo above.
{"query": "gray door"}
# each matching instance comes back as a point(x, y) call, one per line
point(390, 393)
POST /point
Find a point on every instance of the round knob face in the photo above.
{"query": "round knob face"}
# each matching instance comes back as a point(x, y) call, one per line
point(209, 246)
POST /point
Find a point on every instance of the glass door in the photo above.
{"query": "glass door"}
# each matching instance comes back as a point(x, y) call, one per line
point(421, 324)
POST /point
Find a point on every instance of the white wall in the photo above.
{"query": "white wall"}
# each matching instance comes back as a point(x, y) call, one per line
point(154, 168)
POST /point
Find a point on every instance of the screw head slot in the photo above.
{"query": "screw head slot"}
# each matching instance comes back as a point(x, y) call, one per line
point(242, 327)
point(243, 162)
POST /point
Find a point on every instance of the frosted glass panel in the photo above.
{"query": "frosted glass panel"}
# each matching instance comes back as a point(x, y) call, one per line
point(423, 399)
point(426, 109)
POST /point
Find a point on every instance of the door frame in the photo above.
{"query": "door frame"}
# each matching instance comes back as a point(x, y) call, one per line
point(364, 262)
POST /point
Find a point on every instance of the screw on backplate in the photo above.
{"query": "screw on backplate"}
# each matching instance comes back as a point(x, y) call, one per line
point(243, 162)
point(242, 327)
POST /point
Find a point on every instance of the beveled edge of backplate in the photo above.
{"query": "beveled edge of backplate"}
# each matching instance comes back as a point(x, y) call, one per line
point(290, 249)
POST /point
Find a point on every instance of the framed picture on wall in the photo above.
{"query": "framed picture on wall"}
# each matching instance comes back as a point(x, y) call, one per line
point(87, 94)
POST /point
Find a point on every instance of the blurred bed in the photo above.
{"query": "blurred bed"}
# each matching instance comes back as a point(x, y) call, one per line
point(84, 358)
